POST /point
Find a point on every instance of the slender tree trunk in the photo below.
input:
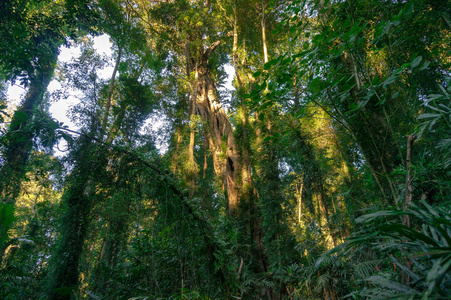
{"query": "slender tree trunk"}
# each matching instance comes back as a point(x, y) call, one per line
point(263, 25)
point(111, 91)
point(299, 192)
point(408, 201)
point(192, 134)
point(246, 178)
point(205, 157)
point(192, 104)
point(192, 167)
point(192, 96)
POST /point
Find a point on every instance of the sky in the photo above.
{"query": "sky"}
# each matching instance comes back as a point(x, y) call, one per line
point(58, 109)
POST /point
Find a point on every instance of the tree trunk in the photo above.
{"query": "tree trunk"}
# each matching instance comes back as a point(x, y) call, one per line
point(192, 168)
point(19, 136)
point(110, 91)
point(111, 247)
point(226, 159)
point(408, 200)
point(263, 25)
point(75, 221)
point(405, 278)
point(65, 276)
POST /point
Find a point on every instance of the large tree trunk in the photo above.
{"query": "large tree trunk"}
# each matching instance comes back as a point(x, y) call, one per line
point(226, 159)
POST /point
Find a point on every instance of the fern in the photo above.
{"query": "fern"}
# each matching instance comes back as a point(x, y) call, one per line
point(427, 248)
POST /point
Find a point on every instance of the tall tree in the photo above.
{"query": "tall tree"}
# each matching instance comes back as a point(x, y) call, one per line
point(32, 33)
point(249, 192)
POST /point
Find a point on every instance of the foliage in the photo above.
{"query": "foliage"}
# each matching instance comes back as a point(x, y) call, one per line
point(439, 107)
point(426, 247)
point(7, 218)
point(263, 195)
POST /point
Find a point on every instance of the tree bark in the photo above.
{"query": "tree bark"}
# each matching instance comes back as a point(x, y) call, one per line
point(226, 159)
point(263, 25)
point(405, 278)
point(408, 200)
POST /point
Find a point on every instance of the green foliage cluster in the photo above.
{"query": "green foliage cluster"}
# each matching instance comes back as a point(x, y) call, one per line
point(424, 249)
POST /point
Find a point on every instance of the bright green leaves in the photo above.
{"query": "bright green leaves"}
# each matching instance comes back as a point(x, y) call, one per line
point(272, 82)
point(6, 220)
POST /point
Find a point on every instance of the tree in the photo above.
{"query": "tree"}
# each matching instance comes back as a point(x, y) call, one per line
point(339, 109)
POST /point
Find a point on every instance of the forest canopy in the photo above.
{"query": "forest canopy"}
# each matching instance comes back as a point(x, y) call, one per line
point(325, 173)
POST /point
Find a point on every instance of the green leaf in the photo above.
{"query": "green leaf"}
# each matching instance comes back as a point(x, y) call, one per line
point(437, 272)
point(428, 116)
point(20, 117)
point(443, 90)
point(405, 65)
point(433, 97)
point(382, 213)
point(392, 285)
point(425, 65)
point(408, 233)
point(266, 105)
point(416, 62)
point(389, 80)
point(386, 28)
point(409, 8)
